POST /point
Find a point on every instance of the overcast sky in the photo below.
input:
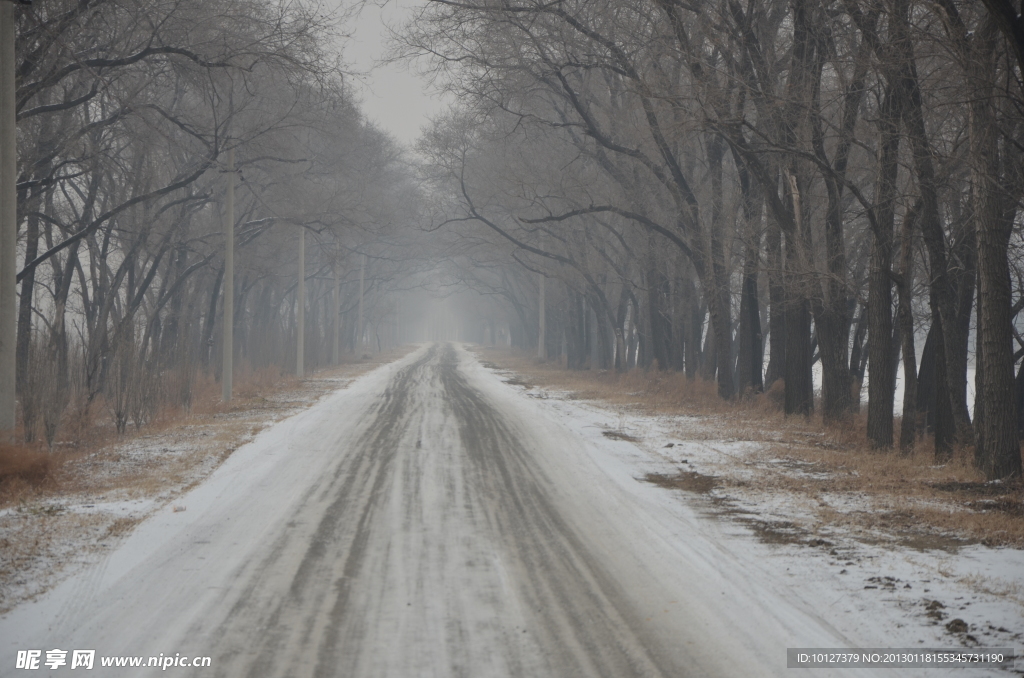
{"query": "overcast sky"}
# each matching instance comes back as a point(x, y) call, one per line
point(394, 98)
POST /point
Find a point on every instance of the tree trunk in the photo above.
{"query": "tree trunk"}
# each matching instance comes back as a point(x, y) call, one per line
point(694, 325)
point(661, 328)
point(799, 397)
point(750, 361)
point(931, 227)
point(880, 370)
point(24, 339)
point(998, 449)
point(776, 305)
point(908, 428)
point(211, 319)
point(716, 288)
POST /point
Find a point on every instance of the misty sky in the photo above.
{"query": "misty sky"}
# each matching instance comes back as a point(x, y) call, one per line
point(393, 97)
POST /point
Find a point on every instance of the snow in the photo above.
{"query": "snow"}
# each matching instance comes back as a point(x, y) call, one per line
point(256, 484)
point(872, 594)
point(45, 541)
point(694, 560)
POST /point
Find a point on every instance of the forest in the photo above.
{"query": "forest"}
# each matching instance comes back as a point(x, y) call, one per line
point(132, 118)
point(789, 196)
point(749, 191)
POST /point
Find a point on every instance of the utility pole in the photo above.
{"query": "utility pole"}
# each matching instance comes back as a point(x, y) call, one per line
point(336, 339)
point(301, 302)
point(542, 349)
point(227, 369)
point(362, 279)
point(542, 339)
point(8, 223)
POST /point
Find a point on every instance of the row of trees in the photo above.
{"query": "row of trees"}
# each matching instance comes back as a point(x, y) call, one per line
point(126, 110)
point(744, 188)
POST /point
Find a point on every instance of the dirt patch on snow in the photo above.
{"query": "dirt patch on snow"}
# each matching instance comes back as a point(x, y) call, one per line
point(775, 531)
point(620, 435)
point(688, 481)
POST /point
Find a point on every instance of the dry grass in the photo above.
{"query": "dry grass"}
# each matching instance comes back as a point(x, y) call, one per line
point(668, 391)
point(910, 497)
point(23, 465)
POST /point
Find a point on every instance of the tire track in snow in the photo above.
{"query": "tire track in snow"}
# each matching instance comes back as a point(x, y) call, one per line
point(436, 552)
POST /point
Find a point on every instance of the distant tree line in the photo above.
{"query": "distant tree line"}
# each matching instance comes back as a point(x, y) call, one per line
point(744, 188)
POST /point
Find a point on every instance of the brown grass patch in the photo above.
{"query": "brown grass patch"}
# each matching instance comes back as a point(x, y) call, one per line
point(667, 389)
point(910, 496)
point(120, 526)
point(688, 481)
point(919, 501)
point(21, 462)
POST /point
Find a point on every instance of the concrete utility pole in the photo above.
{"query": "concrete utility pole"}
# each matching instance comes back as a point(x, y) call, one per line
point(542, 349)
point(227, 369)
point(336, 339)
point(8, 222)
point(360, 328)
point(301, 302)
point(398, 322)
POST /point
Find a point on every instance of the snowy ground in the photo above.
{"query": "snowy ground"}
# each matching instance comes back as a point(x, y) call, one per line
point(431, 520)
point(878, 586)
point(45, 540)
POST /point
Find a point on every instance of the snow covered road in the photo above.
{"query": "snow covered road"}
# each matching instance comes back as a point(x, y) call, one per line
point(427, 521)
